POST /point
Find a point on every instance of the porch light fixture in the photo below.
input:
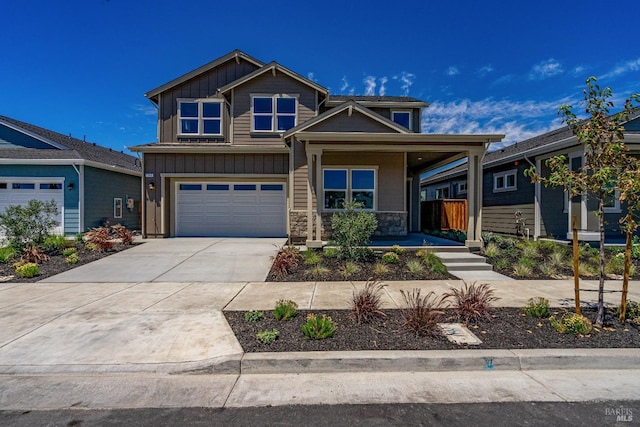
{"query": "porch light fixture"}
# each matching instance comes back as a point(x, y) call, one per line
point(70, 186)
point(152, 186)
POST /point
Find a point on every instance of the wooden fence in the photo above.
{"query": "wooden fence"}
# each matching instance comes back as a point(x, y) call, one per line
point(446, 214)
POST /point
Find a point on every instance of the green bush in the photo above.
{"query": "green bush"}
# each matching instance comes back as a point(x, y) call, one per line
point(352, 230)
point(267, 336)
point(635, 248)
point(434, 263)
point(318, 328)
point(632, 312)
point(7, 253)
point(69, 251)
point(615, 265)
point(72, 259)
point(572, 323)
point(285, 310)
point(79, 238)
point(253, 316)
point(317, 271)
point(30, 224)
point(415, 267)
point(349, 269)
point(27, 269)
point(492, 250)
point(311, 257)
point(54, 244)
point(331, 252)
point(397, 249)
point(391, 258)
point(537, 307)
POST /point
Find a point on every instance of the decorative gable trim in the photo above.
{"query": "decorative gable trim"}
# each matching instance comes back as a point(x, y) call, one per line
point(274, 68)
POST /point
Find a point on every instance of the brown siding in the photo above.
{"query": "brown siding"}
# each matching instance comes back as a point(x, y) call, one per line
point(358, 122)
point(269, 85)
point(203, 86)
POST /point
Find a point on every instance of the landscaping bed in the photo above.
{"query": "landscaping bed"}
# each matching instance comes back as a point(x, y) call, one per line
point(508, 328)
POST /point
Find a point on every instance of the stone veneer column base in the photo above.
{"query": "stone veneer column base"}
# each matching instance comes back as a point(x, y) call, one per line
point(389, 224)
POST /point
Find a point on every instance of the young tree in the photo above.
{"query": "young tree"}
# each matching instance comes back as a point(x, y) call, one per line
point(30, 224)
point(605, 157)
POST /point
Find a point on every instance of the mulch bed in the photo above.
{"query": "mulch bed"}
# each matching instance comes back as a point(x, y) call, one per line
point(335, 266)
point(508, 329)
point(57, 263)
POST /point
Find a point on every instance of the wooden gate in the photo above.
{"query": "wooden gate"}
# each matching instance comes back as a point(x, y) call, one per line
point(444, 215)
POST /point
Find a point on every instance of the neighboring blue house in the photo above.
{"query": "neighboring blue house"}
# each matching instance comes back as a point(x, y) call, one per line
point(90, 184)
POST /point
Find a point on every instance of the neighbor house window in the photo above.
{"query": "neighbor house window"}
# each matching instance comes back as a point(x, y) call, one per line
point(612, 201)
point(200, 117)
point(504, 181)
point(117, 208)
point(402, 118)
point(276, 113)
point(442, 192)
point(358, 185)
point(462, 187)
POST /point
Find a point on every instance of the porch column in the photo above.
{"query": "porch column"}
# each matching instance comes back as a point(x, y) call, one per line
point(474, 200)
point(319, 201)
point(309, 196)
point(313, 241)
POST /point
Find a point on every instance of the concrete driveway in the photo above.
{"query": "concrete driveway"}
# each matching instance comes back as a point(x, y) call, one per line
point(190, 259)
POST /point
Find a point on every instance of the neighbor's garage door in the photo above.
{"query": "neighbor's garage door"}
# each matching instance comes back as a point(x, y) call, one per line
point(20, 191)
point(231, 209)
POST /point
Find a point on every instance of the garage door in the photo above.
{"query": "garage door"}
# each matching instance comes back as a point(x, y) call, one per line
point(20, 191)
point(230, 209)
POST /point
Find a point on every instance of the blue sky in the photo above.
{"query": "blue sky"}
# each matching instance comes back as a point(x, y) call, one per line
point(82, 66)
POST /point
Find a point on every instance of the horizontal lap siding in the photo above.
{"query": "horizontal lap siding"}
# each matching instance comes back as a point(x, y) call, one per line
point(501, 219)
point(101, 187)
point(524, 193)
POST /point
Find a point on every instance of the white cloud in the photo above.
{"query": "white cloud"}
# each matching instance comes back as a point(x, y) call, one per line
point(406, 81)
point(382, 89)
point(545, 69)
point(626, 67)
point(147, 110)
point(483, 71)
point(453, 71)
point(369, 85)
point(311, 76)
point(345, 84)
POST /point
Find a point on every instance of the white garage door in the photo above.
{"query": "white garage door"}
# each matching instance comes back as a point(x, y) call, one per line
point(20, 191)
point(230, 209)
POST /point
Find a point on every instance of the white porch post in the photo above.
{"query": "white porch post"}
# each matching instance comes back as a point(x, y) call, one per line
point(474, 200)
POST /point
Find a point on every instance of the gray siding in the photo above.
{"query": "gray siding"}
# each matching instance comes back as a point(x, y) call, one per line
point(524, 193)
point(357, 122)
point(101, 187)
point(203, 86)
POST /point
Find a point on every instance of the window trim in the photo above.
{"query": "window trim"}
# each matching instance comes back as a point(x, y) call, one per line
point(410, 112)
point(442, 187)
point(349, 190)
point(504, 175)
point(465, 187)
point(201, 119)
point(117, 204)
point(274, 112)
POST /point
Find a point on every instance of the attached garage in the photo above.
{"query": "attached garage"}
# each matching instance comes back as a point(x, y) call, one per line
point(20, 190)
point(226, 209)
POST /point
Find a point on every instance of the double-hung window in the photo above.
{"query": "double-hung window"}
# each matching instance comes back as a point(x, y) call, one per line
point(273, 113)
point(402, 117)
point(358, 185)
point(200, 117)
point(504, 181)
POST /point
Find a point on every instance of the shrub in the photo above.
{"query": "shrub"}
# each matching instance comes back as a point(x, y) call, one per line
point(572, 323)
point(632, 312)
point(349, 269)
point(55, 244)
point(380, 269)
point(267, 336)
point(72, 259)
point(99, 239)
point(522, 269)
point(122, 233)
point(537, 307)
point(79, 238)
point(492, 250)
point(69, 251)
point(318, 328)
point(30, 224)
point(501, 263)
point(529, 250)
point(586, 269)
point(318, 271)
point(635, 248)
point(33, 254)
point(285, 310)
point(352, 229)
point(285, 262)
point(311, 257)
point(7, 253)
point(472, 301)
point(396, 249)
point(253, 316)
point(365, 303)
point(415, 267)
point(434, 263)
point(331, 252)
point(547, 269)
point(421, 314)
point(391, 258)
point(27, 269)
point(557, 259)
point(615, 265)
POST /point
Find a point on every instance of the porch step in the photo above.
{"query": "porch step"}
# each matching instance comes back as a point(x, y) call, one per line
point(464, 262)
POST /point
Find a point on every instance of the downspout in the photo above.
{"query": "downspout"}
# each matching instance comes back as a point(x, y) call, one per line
point(80, 173)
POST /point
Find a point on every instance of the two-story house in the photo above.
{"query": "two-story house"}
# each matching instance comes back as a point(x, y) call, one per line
point(253, 149)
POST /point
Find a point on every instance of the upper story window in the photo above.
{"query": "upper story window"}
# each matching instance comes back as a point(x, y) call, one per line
point(200, 117)
point(402, 117)
point(273, 113)
point(504, 181)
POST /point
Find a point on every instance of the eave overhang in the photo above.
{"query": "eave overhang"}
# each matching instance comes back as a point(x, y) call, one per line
point(208, 148)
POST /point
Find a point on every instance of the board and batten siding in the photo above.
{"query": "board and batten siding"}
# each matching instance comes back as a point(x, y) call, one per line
point(203, 86)
point(264, 164)
point(268, 84)
point(101, 187)
point(357, 122)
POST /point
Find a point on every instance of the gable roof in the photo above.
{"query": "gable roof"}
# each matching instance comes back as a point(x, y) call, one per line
point(378, 101)
point(273, 67)
point(234, 55)
point(347, 106)
point(65, 148)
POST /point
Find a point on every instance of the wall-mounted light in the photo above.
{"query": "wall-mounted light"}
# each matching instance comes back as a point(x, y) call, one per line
point(70, 186)
point(152, 186)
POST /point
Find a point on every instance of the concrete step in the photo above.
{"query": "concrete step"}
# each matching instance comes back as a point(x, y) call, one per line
point(468, 266)
point(455, 258)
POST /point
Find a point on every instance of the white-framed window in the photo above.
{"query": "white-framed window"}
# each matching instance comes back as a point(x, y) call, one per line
point(358, 184)
point(505, 181)
point(402, 117)
point(442, 192)
point(462, 187)
point(273, 113)
point(117, 207)
point(612, 203)
point(200, 117)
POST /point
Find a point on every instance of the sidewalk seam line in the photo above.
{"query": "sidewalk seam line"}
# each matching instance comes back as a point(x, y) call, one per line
point(235, 296)
point(546, 387)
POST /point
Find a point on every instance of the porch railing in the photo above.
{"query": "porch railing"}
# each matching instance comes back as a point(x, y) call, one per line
point(445, 214)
